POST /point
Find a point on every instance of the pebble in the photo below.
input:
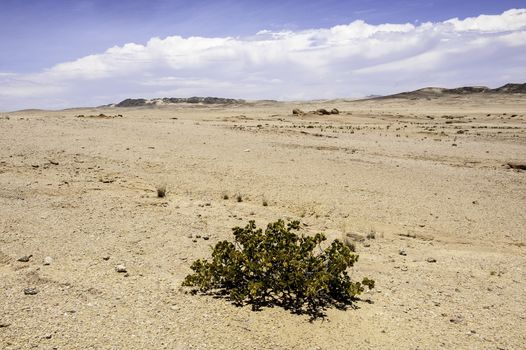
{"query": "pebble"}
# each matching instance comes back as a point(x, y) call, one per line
point(30, 291)
point(120, 268)
point(206, 238)
point(25, 258)
point(431, 260)
point(48, 260)
point(456, 319)
point(402, 252)
point(106, 257)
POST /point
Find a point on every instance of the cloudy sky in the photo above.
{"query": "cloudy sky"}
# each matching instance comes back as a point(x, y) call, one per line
point(65, 53)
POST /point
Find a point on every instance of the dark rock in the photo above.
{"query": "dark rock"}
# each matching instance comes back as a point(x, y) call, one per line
point(322, 111)
point(335, 111)
point(30, 291)
point(297, 111)
point(431, 260)
point(520, 166)
point(25, 258)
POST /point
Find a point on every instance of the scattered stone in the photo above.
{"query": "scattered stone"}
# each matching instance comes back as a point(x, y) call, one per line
point(335, 111)
point(53, 162)
point(31, 291)
point(25, 258)
point(4, 324)
point(121, 268)
point(456, 319)
point(48, 260)
point(431, 260)
point(402, 252)
point(206, 238)
point(106, 257)
point(403, 268)
point(297, 111)
point(322, 111)
point(519, 166)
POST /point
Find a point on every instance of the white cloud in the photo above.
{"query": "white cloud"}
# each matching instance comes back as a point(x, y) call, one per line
point(342, 61)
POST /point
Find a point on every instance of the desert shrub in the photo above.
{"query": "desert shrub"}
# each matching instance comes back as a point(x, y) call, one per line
point(279, 267)
point(161, 190)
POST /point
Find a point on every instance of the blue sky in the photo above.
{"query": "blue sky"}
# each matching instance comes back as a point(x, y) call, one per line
point(37, 36)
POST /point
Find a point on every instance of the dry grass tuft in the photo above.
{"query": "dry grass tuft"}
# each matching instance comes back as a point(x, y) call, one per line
point(161, 191)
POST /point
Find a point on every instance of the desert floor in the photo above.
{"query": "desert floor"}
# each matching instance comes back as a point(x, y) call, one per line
point(428, 177)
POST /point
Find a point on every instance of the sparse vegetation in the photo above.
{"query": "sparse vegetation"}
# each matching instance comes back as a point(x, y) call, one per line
point(276, 266)
point(161, 191)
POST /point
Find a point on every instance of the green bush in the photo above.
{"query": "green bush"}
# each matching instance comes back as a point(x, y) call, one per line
point(279, 267)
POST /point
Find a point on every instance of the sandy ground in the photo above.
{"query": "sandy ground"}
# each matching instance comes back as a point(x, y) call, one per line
point(427, 176)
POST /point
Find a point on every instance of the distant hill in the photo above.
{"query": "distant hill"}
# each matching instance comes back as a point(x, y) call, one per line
point(429, 92)
point(138, 102)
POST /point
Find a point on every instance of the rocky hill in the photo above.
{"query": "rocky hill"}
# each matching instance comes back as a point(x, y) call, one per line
point(138, 102)
point(429, 92)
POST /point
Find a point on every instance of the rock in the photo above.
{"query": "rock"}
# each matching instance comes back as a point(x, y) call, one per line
point(431, 260)
point(206, 238)
point(520, 166)
point(121, 268)
point(48, 260)
point(4, 324)
point(456, 319)
point(106, 257)
point(25, 258)
point(297, 111)
point(30, 291)
point(335, 111)
point(322, 111)
point(402, 252)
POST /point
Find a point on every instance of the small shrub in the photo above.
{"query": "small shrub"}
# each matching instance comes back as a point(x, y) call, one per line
point(279, 267)
point(371, 235)
point(239, 198)
point(265, 202)
point(225, 196)
point(161, 191)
